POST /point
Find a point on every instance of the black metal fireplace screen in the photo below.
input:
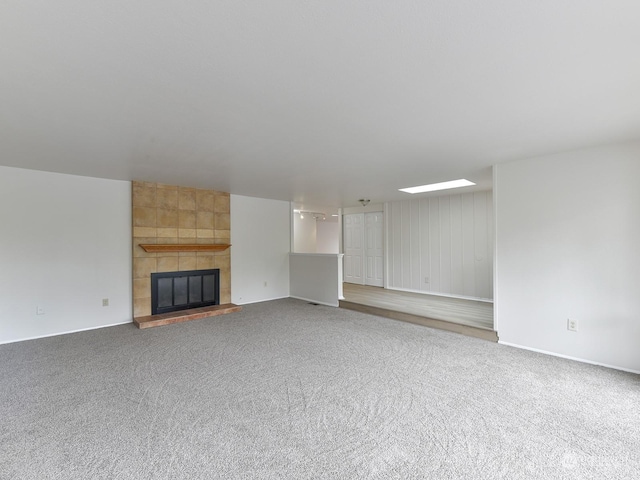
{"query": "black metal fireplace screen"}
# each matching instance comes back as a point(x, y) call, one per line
point(173, 291)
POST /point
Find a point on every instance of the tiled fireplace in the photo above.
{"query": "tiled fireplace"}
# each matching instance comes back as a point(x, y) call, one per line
point(171, 216)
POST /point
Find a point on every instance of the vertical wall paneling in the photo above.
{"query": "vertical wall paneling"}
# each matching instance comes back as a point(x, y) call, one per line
point(396, 253)
point(425, 255)
point(481, 245)
point(414, 226)
point(445, 244)
point(455, 222)
point(405, 239)
point(442, 245)
point(434, 244)
point(468, 247)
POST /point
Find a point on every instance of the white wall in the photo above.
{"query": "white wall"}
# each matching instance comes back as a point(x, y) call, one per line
point(260, 238)
point(568, 246)
point(304, 234)
point(316, 277)
point(327, 236)
point(65, 244)
point(442, 245)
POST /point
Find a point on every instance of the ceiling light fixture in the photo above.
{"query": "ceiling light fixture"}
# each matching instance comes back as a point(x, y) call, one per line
point(364, 201)
point(316, 215)
point(438, 186)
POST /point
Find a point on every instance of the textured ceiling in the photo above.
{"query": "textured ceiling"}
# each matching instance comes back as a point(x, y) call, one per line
point(315, 102)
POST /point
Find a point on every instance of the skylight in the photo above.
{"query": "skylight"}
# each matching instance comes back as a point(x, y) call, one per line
point(438, 186)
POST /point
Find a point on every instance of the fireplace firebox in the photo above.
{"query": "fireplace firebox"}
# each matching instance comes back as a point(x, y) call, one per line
point(174, 291)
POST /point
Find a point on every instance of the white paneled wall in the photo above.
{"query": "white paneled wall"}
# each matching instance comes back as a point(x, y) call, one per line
point(442, 245)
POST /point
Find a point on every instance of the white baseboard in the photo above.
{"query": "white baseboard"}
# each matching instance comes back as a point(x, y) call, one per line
point(437, 294)
point(576, 359)
point(260, 301)
point(65, 332)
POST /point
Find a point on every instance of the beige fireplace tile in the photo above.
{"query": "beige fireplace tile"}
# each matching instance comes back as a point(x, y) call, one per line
point(187, 263)
point(147, 232)
point(167, 233)
point(187, 233)
point(167, 197)
point(204, 233)
point(186, 219)
point(141, 287)
point(167, 264)
point(204, 262)
point(225, 295)
point(225, 277)
point(167, 218)
point(168, 240)
point(223, 221)
point(141, 307)
point(143, 194)
point(222, 261)
point(221, 203)
point(222, 234)
point(205, 220)
point(144, 217)
point(143, 267)
point(204, 200)
point(186, 198)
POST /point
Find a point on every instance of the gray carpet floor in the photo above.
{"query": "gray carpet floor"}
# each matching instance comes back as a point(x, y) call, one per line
point(288, 390)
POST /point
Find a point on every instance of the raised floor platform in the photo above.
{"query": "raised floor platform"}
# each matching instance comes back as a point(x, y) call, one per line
point(468, 317)
point(185, 315)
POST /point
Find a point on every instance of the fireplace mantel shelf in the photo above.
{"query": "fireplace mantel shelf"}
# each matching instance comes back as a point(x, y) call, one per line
point(184, 247)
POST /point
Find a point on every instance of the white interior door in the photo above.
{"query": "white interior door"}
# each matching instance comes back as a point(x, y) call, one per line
point(353, 248)
point(373, 252)
point(363, 248)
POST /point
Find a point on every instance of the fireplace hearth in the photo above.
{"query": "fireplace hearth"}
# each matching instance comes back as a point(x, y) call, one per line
point(175, 291)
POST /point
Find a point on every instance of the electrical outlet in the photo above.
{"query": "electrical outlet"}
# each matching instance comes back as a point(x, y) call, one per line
point(426, 279)
point(265, 283)
point(105, 302)
point(39, 311)
point(572, 325)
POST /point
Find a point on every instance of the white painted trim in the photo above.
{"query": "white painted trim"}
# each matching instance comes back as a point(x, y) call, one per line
point(263, 300)
point(567, 357)
point(438, 294)
point(494, 199)
point(66, 333)
point(314, 301)
point(385, 248)
point(291, 232)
